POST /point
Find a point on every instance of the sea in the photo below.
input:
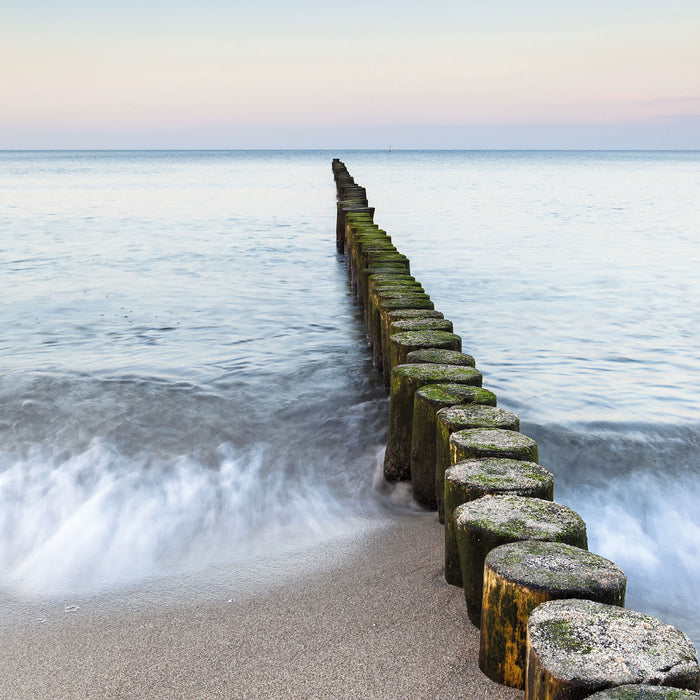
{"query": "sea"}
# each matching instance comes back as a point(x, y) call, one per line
point(186, 389)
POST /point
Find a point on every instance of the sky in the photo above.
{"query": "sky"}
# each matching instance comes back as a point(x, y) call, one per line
point(312, 74)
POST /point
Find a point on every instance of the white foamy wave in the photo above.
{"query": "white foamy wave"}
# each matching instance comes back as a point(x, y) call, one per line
point(394, 494)
point(649, 524)
point(98, 520)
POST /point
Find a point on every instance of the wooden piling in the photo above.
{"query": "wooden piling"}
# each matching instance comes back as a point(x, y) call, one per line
point(578, 647)
point(405, 381)
point(491, 521)
point(520, 576)
point(427, 402)
point(490, 476)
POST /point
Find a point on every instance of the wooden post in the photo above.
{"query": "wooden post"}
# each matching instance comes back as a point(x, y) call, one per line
point(521, 575)
point(577, 647)
point(427, 402)
point(644, 692)
point(466, 481)
point(405, 381)
point(400, 344)
point(455, 419)
point(440, 357)
point(487, 442)
point(491, 521)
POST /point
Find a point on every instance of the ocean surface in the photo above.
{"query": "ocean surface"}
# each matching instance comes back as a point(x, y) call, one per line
point(185, 383)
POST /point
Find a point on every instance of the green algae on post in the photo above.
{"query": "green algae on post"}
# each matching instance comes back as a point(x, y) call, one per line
point(427, 402)
point(405, 381)
point(491, 521)
point(381, 295)
point(375, 259)
point(451, 420)
point(400, 344)
point(474, 415)
point(491, 442)
point(378, 318)
point(382, 268)
point(413, 325)
point(644, 692)
point(473, 478)
point(390, 287)
point(350, 208)
point(400, 314)
point(420, 324)
point(520, 576)
point(390, 298)
point(578, 647)
point(440, 357)
point(377, 285)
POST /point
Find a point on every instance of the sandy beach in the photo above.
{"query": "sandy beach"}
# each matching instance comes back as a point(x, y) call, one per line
point(379, 624)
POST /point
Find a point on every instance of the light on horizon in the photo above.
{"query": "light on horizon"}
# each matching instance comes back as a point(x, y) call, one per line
point(209, 87)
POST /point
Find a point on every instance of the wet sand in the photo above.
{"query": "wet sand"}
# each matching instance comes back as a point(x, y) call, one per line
point(382, 623)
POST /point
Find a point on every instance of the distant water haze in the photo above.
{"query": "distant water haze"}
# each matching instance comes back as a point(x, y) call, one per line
point(186, 382)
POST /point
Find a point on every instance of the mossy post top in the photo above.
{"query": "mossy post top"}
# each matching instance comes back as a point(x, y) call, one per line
point(521, 518)
point(398, 277)
point(399, 291)
point(493, 439)
point(382, 258)
point(424, 338)
point(644, 692)
point(445, 394)
point(499, 474)
point(398, 273)
point(390, 290)
point(407, 301)
point(436, 374)
point(456, 417)
point(360, 217)
point(595, 645)
point(399, 314)
point(420, 324)
point(557, 568)
point(440, 356)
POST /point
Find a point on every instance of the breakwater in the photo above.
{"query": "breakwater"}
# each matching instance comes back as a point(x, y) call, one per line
point(467, 459)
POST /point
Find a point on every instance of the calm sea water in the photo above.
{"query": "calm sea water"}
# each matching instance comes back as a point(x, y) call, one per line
point(185, 378)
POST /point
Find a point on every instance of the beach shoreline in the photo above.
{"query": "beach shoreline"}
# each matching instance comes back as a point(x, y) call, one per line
point(380, 623)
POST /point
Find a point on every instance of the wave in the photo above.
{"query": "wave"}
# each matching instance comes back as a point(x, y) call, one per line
point(636, 487)
point(107, 482)
point(100, 520)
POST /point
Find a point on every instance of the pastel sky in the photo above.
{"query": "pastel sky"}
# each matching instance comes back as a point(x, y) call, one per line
point(311, 74)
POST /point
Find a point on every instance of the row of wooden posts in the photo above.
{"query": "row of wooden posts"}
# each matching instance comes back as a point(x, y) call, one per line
point(551, 614)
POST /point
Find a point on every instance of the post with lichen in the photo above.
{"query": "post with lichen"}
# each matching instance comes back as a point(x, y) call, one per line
point(491, 521)
point(520, 576)
point(427, 402)
point(577, 647)
point(488, 476)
